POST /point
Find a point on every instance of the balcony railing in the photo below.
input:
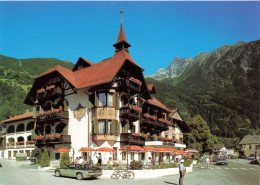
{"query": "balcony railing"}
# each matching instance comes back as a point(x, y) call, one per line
point(154, 122)
point(63, 139)
point(129, 139)
point(129, 113)
point(59, 116)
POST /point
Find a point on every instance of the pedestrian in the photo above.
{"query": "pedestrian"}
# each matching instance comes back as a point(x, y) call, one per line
point(76, 160)
point(210, 162)
point(81, 160)
point(207, 163)
point(182, 171)
point(99, 157)
point(110, 162)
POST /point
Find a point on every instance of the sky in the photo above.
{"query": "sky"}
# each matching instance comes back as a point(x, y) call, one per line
point(158, 31)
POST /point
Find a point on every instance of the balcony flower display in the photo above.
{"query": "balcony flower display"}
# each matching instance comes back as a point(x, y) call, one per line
point(47, 112)
point(39, 137)
point(57, 136)
point(154, 136)
point(11, 144)
point(136, 134)
point(49, 137)
point(30, 142)
point(173, 140)
point(40, 91)
point(154, 117)
point(147, 115)
point(55, 110)
point(138, 109)
point(38, 114)
point(167, 122)
point(145, 136)
point(49, 88)
point(161, 119)
point(165, 139)
point(135, 80)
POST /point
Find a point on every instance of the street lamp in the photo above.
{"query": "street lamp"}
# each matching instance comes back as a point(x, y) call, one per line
point(254, 133)
point(73, 152)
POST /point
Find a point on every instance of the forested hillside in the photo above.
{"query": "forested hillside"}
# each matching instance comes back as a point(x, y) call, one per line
point(222, 87)
point(16, 78)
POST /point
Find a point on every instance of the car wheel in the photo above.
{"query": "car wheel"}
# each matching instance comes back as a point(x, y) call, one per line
point(57, 173)
point(79, 176)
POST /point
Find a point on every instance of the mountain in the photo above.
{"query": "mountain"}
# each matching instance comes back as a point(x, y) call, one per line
point(16, 78)
point(175, 68)
point(221, 86)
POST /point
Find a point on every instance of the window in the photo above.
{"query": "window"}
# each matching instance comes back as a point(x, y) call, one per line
point(102, 99)
point(109, 127)
point(110, 99)
point(106, 99)
point(101, 127)
point(132, 155)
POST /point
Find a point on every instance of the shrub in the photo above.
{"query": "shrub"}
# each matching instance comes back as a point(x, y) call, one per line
point(187, 162)
point(45, 159)
point(136, 165)
point(109, 167)
point(233, 157)
point(65, 160)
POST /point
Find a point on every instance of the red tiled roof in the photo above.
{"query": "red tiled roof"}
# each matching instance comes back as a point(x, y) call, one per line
point(150, 87)
point(157, 103)
point(20, 117)
point(87, 61)
point(219, 146)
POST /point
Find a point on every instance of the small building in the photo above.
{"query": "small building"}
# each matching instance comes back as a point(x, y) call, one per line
point(250, 145)
point(17, 137)
point(220, 149)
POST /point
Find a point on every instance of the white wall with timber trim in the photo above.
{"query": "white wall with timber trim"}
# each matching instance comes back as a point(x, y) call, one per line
point(78, 129)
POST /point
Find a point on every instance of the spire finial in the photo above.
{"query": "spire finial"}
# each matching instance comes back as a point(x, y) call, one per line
point(121, 17)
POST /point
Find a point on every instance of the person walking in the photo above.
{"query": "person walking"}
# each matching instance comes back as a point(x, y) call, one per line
point(99, 159)
point(207, 163)
point(182, 170)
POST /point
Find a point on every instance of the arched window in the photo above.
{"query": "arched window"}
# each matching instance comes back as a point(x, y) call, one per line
point(19, 139)
point(10, 129)
point(10, 140)
point(20, 128)
point(29, 126)
point(60, 127)
point(124, 101)
point(48, 129)
point(29, 138)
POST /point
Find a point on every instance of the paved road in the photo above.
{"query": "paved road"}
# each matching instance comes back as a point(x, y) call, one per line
point(238, 172)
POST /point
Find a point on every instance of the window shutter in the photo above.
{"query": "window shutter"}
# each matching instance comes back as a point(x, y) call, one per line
point(117, 127)
point(95, 122)
point(96, 99)
point(113, 127)
point(117, 100)
point(33, 135)
point(34, 112)
point(127, 127)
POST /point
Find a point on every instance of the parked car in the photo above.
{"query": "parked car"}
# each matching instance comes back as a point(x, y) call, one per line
point(242, 157)
point(251, 157)
point(255, 162)
point(221, 160)
point(79, 171)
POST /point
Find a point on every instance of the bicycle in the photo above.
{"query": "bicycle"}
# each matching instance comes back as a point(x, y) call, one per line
point(125, 174)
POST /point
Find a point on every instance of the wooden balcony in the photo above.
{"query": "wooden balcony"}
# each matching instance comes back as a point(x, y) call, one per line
point(153, 122)
point(133, 85)
point(55, 92)
point(128, 113)
point(99, 139)
point(63, 139)
point(54, 116)
point(129, 139)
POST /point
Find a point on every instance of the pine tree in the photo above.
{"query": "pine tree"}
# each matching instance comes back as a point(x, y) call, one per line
point(45, 159)
point(65, 160)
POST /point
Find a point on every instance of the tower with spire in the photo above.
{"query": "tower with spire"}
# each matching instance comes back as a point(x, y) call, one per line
point(121, 43)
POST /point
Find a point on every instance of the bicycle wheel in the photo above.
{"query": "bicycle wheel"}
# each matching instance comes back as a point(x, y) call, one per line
point(115, 175)
point(130, 175)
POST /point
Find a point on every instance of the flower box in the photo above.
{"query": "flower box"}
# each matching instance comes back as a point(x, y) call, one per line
point(57, 136)
point(30, 142)
point(49, 88)
point(38, 114)
point(154, 136)
point(55, 110)
point(165, 139)
point(167, 122)
point(47, 112)
point(40, 91)
point(39, 137)
point(161, 119)
point(135, 80)
point(138, 109)
point(146, 115)
point(136, 134)
point(154, 118)
point(145, 136)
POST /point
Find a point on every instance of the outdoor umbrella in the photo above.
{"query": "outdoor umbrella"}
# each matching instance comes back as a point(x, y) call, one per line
point(149, 149)
point(86, 149)
point(62, 150)
point(163, 150)
point(104, 149)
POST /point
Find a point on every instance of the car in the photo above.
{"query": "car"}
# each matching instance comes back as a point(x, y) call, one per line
point(242, 157)
point(251, 157)
point(221, 160)
point(79, 171)
point(255, 162)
